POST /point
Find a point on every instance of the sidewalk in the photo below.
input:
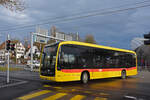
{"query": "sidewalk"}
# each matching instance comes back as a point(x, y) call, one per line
point(12, 82)
point(144, 76)
point(23, 75)
point(18, 77)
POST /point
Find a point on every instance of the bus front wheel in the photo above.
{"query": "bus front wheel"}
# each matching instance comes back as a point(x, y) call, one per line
point(84, 77)
point(123, 74)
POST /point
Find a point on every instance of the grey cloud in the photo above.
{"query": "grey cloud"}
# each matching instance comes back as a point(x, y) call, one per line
point(111, 30)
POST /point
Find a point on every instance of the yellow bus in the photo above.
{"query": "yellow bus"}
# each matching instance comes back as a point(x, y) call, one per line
point(73, 61)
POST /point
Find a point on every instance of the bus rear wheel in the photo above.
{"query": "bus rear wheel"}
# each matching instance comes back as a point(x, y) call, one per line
point(123, 74)
point(84, 77)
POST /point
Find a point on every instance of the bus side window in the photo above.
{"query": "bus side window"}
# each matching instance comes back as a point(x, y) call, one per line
point(67, 57)
point(71, 61)
point(62, 60)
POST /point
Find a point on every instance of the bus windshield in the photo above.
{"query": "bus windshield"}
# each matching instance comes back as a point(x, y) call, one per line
point(48, 60)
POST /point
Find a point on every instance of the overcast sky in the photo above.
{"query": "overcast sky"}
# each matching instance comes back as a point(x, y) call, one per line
point(116, 30)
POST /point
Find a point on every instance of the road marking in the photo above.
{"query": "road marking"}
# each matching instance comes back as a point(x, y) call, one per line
point(57, 87)
point(100, 98)
point(73, 90)
point(53, 87)
point(46, 86)
point(29, 96)
point(130, 97)
point(54, 97)
point(104, 94)
point(77, 97)
point(87, 92)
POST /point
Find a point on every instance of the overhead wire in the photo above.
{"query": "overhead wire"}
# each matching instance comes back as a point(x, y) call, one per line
point(80, 17)
point(61, 17)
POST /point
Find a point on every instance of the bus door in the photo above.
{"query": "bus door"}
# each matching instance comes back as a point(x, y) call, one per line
point(48, 61)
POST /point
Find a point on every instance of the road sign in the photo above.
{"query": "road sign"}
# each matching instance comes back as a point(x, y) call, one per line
point(39, 38)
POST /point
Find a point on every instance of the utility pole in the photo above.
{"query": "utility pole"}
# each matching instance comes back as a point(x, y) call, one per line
point(31, 52)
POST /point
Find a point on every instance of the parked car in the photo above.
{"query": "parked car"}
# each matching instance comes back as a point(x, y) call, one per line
point(2, 61)
point(36, 64)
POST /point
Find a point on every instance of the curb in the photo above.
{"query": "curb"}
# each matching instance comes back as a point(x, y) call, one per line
point(14, 84)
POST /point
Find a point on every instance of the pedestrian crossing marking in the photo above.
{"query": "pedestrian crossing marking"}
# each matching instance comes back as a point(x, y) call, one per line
point(54, 97)
point(73, 89)
point(104, 94)
point(29, 96)
point(100, 98)
point(60, 94)
point(52, 87)
point(87, 92)
point(77, 97)
point(46, 86)
point(58, 87)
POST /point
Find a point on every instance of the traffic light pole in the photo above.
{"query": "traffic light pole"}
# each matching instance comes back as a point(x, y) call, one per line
point(8, 63)
point(31, 52)
point(8, 69)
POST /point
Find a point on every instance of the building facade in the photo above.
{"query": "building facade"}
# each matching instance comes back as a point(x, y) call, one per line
point(17, 53)
point(35, 51)
point(20, 50)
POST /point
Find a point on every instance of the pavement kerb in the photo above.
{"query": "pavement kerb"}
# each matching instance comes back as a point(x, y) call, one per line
point(14, 84)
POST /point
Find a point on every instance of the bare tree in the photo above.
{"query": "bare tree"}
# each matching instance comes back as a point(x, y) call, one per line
point(90, 39)
point(13, 5)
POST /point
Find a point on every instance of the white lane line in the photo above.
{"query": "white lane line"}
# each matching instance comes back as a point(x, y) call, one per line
point(130, 97)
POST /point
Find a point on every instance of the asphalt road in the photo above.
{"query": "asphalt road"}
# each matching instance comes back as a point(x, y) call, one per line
point(132, 88)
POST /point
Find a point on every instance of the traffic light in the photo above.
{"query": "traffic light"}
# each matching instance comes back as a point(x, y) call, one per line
point(147, 36)
point(8, 44)
point(12, 47)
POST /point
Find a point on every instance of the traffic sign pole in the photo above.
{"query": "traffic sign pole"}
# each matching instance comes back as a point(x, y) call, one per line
point(8, 63)
point(31, 52)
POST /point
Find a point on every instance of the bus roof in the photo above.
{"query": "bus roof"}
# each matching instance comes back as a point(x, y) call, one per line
point(96, 46)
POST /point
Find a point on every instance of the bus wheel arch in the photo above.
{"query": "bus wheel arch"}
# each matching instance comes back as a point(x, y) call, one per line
point(123, 74)
point(85, 77)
